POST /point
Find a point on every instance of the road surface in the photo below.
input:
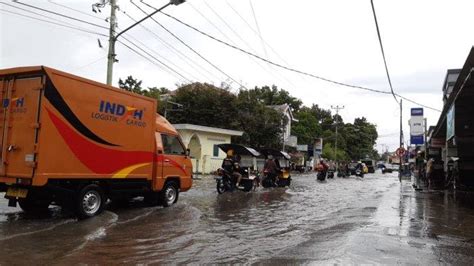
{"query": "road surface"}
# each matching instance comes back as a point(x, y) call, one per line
point(352, 220)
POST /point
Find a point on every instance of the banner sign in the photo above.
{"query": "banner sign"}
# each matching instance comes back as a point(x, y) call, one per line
point(318, 146)
point(450, 123)
point(417, 131)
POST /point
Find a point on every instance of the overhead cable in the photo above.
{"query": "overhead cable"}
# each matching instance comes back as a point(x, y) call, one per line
point(258, 28)
point(383, 53)
point(190, 48)
point(76, 10)
point(156, 59)
point(195, 66)
point(292, 69)
point(55, 23)
point(59, 14)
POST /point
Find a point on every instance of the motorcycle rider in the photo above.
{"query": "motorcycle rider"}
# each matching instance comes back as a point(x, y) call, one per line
point(271, 169)
point(360, 167)
point(232, 165)
point(324, 167)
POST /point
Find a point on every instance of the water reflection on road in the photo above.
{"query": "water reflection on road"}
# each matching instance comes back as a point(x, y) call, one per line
point(342, 220)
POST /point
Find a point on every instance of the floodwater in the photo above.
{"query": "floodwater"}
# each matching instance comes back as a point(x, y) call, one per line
point(371, 220)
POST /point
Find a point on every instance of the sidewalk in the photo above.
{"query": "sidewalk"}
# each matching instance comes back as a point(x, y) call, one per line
point(417, 228)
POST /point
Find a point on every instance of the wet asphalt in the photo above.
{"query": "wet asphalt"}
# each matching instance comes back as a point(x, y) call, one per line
point(374, 220)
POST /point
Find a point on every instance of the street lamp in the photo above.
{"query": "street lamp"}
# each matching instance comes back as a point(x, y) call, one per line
point(113, 38)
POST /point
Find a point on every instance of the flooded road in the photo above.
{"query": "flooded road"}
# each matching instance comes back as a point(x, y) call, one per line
point(352, 220)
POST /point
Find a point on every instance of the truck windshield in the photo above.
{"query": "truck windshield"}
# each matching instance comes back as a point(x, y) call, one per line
point(172, 145)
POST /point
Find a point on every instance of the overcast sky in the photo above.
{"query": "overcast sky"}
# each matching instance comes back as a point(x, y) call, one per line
point(335, 39)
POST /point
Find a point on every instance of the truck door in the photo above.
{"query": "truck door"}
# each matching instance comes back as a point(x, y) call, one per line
point(174, 157)
point(19, 121)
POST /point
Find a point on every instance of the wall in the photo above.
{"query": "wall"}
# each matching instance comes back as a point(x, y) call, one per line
point(206, 162)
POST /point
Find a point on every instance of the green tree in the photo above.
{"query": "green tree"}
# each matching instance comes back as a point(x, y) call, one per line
point(131, 84)
point(206, 105)
point(274, 96)
point(307, 128)
point(261, 125)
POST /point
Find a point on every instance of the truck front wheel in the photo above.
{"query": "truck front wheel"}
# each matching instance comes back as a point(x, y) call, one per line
point(169, 194)
point(90, 201)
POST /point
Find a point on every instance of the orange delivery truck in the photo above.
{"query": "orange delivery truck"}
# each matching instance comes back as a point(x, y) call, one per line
point(77, 143)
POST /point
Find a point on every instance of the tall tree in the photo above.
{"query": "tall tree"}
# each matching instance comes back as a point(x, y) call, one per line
point(131, 84)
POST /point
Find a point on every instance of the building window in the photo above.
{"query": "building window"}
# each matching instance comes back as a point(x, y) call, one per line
point(172, 145)
point(216, 151)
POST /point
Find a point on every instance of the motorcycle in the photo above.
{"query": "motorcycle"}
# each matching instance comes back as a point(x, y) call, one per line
point(321, 176)
point(283, 180)
point(342, 174)
point(225, 181)
point(330, 174)
point(284, 176)
point(359, 173)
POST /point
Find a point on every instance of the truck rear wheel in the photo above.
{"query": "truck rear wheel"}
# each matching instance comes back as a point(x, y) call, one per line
point(169, 194)
point(90, 201)
point(32, 204)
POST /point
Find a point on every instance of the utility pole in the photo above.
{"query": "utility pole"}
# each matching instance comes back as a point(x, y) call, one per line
point(401, 141)
point(337, 108)
point(111, 54)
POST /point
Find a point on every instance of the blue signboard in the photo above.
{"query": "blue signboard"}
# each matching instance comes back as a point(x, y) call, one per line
point(417, 140)
point(416, 111)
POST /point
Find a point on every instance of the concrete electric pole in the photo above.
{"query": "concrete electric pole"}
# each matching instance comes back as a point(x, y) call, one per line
point(111, 57)
point(337, 108)
point(111, 54)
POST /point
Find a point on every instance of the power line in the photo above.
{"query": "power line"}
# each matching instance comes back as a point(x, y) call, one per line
point(258, 28)
point(61, 15)
point(190, 48)
point(282, 78)
point(55, 23)
point(75, 10)
point(100, 34)
point(181, 55)
point(157, 54)
point(292, 69)
point(143, 56)
point(381, 48)
point(227, 37)
point(256, 33)
point(156, 59)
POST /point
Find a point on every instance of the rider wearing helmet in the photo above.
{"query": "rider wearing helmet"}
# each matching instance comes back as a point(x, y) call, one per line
point(232, 165)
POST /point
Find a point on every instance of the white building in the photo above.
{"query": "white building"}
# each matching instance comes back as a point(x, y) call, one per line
point(285, 109)
point(202, 142)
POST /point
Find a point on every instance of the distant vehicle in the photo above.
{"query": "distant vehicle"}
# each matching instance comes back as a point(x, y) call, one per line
point(389, 168)
point(76, 143)
point(352, 168)
point(370, 165)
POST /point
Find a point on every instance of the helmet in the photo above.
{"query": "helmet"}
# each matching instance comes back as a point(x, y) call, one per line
point(270, 156)
point(230, 152)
